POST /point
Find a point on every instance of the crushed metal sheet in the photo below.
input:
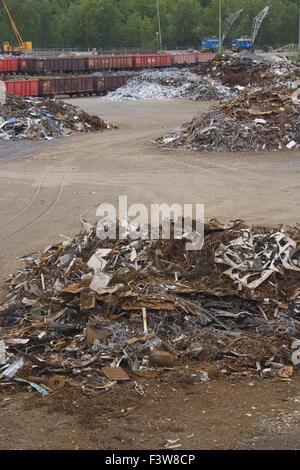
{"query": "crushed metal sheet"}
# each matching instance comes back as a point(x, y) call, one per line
point(115, 374)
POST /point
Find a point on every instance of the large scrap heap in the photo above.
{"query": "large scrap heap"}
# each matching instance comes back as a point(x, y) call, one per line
point(262, 113)
point(86, 304)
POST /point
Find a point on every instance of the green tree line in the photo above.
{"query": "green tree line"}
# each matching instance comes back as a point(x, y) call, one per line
point(134, 23)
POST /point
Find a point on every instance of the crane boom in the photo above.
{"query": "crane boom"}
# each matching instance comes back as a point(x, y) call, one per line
point(258, 21)
point(229, 22)
point(23, 46)
point(13, 25)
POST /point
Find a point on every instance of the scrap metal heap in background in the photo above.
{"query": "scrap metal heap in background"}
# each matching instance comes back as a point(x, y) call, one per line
point(169, 84)
point(250, 70)
point(267, 119)
point(85, 305)
point(40, 118)
point(263, 112)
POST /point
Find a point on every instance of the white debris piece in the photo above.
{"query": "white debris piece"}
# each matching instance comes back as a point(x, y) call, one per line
point(2, 352)
point(97, 261)
point(100, 281)
point(291, 144)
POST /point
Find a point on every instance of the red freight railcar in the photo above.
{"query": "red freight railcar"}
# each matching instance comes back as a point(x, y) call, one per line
point(163, 60)
point(22, 65)
point(66, 85)
point(64, 64)
point(109, 62)
point(52, 64)
point(121, 62)
point(93, 63)
point(99, 85)
point(23, 87)
point(205, 56)
point(179, 59)
point(190, 59)
point(152, 60)
point(112, 83)
point(109, 83)
point(106, 62)
point(142, 61)
point(117, 62)
point(80, 85)
point(124, 61)
point(34, 66)
point(8, 65)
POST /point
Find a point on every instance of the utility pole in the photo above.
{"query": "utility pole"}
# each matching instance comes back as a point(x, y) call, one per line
point(220, 25)
point(159, 28)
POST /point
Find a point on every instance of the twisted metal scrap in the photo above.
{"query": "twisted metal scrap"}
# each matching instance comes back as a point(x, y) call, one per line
point(258, 255)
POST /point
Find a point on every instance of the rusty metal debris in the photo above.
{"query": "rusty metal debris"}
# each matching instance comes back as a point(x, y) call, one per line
point(161, 359)
point(257, 119)
point(39, 118)
point(235, 302)
point(250, 70)
point(115, 373)
point(57, 382)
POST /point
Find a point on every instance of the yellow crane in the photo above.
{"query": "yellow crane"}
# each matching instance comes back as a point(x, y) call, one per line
point(23, 46)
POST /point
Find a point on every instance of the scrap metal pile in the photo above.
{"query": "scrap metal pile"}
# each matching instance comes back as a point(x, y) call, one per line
point(257, 119)
point(37, 118)
point(83, 307)
point(250, 70)
point(169, 85)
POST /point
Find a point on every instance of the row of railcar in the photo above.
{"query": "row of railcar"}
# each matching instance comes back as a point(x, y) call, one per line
point(66, 85)
point(34, 66)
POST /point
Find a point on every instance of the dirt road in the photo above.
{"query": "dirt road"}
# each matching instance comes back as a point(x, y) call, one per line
point(46, 187)
point(69, 178)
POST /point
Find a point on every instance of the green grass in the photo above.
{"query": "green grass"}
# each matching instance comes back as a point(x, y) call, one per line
point(295, 59)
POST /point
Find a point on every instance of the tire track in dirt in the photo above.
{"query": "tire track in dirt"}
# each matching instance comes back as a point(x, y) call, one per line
point(37, 219)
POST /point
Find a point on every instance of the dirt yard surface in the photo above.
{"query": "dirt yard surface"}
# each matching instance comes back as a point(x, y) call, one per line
point(44, 189)
point(219, 414)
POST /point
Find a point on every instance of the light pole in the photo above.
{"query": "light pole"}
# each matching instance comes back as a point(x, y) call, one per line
point(220, 25)
point(159, 28)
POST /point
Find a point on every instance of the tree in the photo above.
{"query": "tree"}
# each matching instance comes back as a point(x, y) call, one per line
point(114, 23)
point(187, 18)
